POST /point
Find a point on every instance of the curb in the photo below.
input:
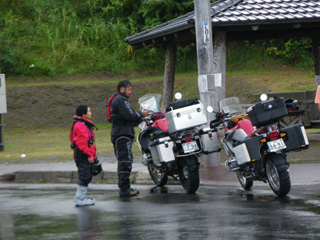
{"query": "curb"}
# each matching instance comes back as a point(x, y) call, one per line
point(300, 174)
point(68, 177)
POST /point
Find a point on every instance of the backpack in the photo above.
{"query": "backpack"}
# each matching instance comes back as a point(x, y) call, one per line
point(72, 137)
point(109, 118)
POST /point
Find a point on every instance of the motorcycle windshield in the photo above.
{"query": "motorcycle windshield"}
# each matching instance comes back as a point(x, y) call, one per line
point(150, 102)
point(231, 105)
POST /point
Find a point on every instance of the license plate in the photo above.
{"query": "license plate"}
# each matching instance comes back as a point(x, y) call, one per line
point(276, 145)
point(190, 147)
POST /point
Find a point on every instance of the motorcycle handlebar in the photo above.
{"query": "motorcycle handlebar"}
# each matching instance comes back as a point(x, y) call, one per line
point(215, 123)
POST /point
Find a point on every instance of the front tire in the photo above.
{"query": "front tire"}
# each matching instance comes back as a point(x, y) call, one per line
point(189, 174)
point(278, 174)
point(245, 182)
point(158, 177)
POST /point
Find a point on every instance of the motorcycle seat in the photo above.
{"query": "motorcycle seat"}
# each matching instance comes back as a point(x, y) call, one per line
point(148, 135)
point(159, 134)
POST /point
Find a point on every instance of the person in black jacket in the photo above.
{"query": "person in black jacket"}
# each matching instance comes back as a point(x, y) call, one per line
point(124, 118)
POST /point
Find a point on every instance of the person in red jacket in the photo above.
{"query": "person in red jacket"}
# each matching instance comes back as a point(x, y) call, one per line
point(82, 137)
point(317, 99)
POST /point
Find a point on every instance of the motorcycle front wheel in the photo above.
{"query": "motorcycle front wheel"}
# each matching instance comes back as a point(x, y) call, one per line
point(278, 174)
point(160, 178)
point(189, 173)
point(245, 182)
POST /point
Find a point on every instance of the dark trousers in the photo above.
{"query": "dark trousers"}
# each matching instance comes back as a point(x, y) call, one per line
point(123, 151)
point(84, 171)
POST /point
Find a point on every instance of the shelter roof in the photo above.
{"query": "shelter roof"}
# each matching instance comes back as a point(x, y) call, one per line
point(239, 18)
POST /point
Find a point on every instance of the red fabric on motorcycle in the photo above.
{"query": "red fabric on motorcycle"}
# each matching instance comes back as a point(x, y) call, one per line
point(162, 124)
point(245, 124)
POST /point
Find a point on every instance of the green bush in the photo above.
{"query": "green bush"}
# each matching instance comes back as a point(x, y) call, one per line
point(66, 37)
point(294, 51)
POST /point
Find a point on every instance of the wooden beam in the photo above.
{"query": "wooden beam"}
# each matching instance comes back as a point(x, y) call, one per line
point(265, 34)
point(169, 73)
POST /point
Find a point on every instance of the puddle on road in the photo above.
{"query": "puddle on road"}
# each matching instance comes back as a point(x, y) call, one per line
point(213, 213)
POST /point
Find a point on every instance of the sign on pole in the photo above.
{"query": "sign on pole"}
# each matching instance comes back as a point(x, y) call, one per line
point(3, 98)
point(206, 31)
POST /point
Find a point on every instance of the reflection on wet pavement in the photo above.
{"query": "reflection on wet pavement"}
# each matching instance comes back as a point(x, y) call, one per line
point(217, 212)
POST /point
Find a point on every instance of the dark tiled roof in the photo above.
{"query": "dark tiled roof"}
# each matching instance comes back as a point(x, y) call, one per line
point(239, 13)
point(268, 11)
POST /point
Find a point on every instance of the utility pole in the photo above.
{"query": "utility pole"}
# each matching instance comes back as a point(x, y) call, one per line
point(211, 67)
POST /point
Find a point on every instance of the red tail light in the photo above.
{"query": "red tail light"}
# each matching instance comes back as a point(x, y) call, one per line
point(188, 138)
point(273, 136)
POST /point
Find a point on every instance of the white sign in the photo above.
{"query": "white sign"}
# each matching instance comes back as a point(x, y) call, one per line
point(206, 31)
point(203, 83)
point(3, 99)
point(218, 79)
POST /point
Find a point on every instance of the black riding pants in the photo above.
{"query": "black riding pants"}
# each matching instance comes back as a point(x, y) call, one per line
point(84, 171)
point(123, 152)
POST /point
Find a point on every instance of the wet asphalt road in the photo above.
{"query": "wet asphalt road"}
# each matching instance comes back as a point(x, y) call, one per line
point(215, 212)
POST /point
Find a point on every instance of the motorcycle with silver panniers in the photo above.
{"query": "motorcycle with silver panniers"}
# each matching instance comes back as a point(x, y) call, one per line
point(257, 148)
point(172, 140)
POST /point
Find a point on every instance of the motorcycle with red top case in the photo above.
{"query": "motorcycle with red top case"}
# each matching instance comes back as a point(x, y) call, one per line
point(256, 146)
point(170, 141)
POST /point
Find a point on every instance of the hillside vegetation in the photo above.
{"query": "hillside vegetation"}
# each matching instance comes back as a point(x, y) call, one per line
point(36, 104)
point(40, 114)
point(67, 37)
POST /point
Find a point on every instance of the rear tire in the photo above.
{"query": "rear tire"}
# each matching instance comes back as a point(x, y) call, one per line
point(158, 177)
point(278, 174)
point(189, 173)
point(245, 182)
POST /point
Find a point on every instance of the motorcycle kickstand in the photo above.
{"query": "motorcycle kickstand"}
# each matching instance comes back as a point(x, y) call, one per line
point(152, 189)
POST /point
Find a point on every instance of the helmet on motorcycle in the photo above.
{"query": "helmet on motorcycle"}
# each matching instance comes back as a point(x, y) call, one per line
point(291, 104)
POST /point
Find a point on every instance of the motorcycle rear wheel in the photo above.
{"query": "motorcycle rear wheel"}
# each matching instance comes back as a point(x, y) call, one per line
point(189, 174)
point(158, 177)
point(245, 182)
point(278, 175)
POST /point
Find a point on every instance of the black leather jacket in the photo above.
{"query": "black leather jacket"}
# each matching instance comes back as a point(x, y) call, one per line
point(124, 117)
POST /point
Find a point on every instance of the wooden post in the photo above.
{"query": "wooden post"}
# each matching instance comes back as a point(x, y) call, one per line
point(211, 66)
point(1, 143)
point(316, 53)
point(169, 73)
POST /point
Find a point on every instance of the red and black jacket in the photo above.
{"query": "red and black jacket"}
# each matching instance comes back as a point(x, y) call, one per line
point(82, 136)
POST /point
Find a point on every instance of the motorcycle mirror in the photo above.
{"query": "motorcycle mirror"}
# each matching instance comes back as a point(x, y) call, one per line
point(263, 97)
point(210, 109)
point(178, 96)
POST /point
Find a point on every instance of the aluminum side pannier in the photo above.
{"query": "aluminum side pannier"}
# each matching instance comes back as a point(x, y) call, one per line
point(162, 151)
point(209, 140)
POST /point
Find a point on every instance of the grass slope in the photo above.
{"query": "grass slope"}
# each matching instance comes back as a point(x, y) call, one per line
point(40, 110)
